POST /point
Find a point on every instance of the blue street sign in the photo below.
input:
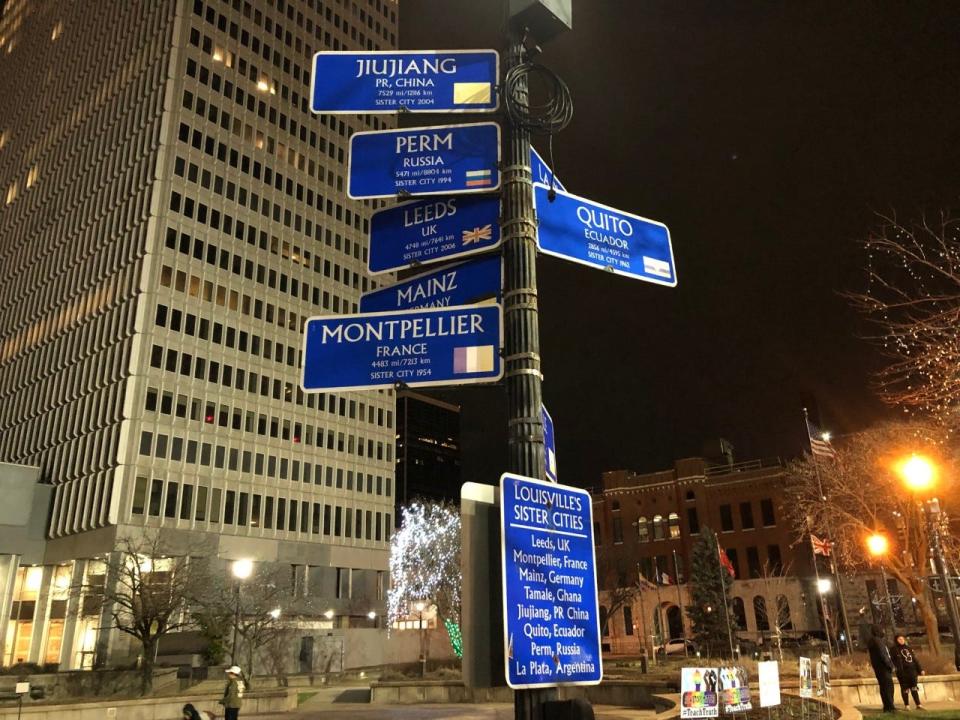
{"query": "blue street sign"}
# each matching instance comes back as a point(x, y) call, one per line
point(438, 160)
point(551, 620)
point(392, 81)
point(436, 346)
point(549, 446)
point(541, 171)
point(586, 232)
point(432, 229)
point(472, 282)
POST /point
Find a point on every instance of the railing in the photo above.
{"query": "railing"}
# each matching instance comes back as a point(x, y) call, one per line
point(773, 462)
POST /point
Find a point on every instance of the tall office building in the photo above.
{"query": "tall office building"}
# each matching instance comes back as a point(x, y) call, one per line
point(170, 214)
point(428, 449)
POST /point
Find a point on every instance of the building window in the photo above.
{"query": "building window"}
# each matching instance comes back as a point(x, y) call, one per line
point(617, 530)
point(674, 520)
point(739, 614)
point(26, 590)
point(596, 532)
point(658, 531)
point(773, 559)
point(627, 620)
point(170, 508)
point(614, 505)
point(643, 530)
point(766, 512)
point(726, 518)
point(156, 497)
point(693, 522)
point(139, 496)
point(760, 613)
point(603, 621)
point(746, 516)
point(734, 559)
point(753, 562)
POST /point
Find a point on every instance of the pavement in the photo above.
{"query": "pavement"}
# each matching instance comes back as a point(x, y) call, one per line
point(328, 705)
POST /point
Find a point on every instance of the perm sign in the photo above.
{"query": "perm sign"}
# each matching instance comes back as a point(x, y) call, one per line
point(550, 611)
point(413, 81)
point(420, 348)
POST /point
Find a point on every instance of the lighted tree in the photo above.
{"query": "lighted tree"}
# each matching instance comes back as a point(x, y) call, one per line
point(861, 493)
point(710, 586)
point(913, 300)
point(425, 565)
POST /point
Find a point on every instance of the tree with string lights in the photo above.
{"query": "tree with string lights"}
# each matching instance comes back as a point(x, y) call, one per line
point(912, 298)
point(425, 565)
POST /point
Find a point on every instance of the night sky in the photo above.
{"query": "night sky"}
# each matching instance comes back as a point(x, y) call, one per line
point(764, 134)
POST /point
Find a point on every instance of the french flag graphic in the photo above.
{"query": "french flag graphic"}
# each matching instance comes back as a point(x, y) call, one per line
point(476, 359)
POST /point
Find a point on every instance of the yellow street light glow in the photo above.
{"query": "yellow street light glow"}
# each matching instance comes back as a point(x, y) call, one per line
point(918, 473)
point(878, 544)
point(242, 569)
point(826, 436)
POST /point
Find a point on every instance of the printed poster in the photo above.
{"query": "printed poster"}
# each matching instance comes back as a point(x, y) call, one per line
point(735, 689)
point(698, 693)
point(806, 678)
point(768, 678)
point(823, 676)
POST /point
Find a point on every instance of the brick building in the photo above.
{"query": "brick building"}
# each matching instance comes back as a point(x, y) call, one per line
point(647, 524)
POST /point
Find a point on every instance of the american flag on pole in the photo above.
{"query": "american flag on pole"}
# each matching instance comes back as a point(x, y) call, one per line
point(821, 546)
point(820, 442)
point(477, 234)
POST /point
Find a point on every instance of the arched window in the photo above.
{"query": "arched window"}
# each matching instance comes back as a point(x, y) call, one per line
point(605, 626)
point(690, 495)
point(739, 614)
point(643, 530)
point(658, 532)
point(674, 521)
point(760, 613)
point(783, 613)
point(627, 620)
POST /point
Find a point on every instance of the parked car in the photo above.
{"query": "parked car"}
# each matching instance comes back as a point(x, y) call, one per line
point(675, 647)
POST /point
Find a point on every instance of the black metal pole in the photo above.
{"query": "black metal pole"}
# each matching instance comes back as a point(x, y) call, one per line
point(949, 599)
point(521, 323)
point(236, 625)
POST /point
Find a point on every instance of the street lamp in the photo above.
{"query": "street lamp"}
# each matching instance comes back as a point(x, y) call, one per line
point(241, 570)
point(920, 476)
point(878, 545)
point(824, 585)
point(420, 607)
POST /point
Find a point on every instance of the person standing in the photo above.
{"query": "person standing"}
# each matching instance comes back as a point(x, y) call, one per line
point(883, 666)
point(233, 693)
point(908, 670)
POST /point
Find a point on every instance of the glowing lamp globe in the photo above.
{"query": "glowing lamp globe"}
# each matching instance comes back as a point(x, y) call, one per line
point(919, 474)
point(242, 569)
point(878, 544)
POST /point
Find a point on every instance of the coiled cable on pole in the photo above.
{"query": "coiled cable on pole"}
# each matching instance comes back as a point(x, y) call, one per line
point(547, 117)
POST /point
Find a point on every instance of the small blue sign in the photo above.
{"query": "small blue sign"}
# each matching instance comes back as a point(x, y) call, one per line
point(438, 160)
point(542, 173)
point(392, 81)
point(432, 229)
point(551, 620)
point(549, 446)
point(586, 232)
point(473, 282)
point(432, 346)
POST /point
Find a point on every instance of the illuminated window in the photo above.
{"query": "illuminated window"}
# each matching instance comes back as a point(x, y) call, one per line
point(3, 139)
point(674, 521)
point(643, 530)
point(57, 31)
point(12, 193)
point(33, 175)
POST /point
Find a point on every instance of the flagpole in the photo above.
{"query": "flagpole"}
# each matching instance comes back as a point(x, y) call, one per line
point(823, 604)
point(833, 566)
point(676, 577)
point(723, 594)
point(663, 640)
point(643, 612)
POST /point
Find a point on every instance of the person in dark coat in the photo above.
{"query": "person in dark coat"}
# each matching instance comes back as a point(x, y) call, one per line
point(908, 670)
point(882, 665)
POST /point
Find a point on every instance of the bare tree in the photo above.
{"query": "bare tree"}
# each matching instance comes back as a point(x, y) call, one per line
point(913, 300)
point(862, 494)
point(622, 588)
point(775, 580)
point(148, 587)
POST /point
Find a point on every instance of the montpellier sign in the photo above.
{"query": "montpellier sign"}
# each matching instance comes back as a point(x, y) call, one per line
point(586, 232)
point(394, 81)
point(550, 612)
point(420, 348)
point(432, 229)
point(472, 282)
point(437, 160)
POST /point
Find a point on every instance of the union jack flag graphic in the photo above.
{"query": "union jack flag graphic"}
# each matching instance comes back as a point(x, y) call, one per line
point(477, 234)
point(820, 546)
